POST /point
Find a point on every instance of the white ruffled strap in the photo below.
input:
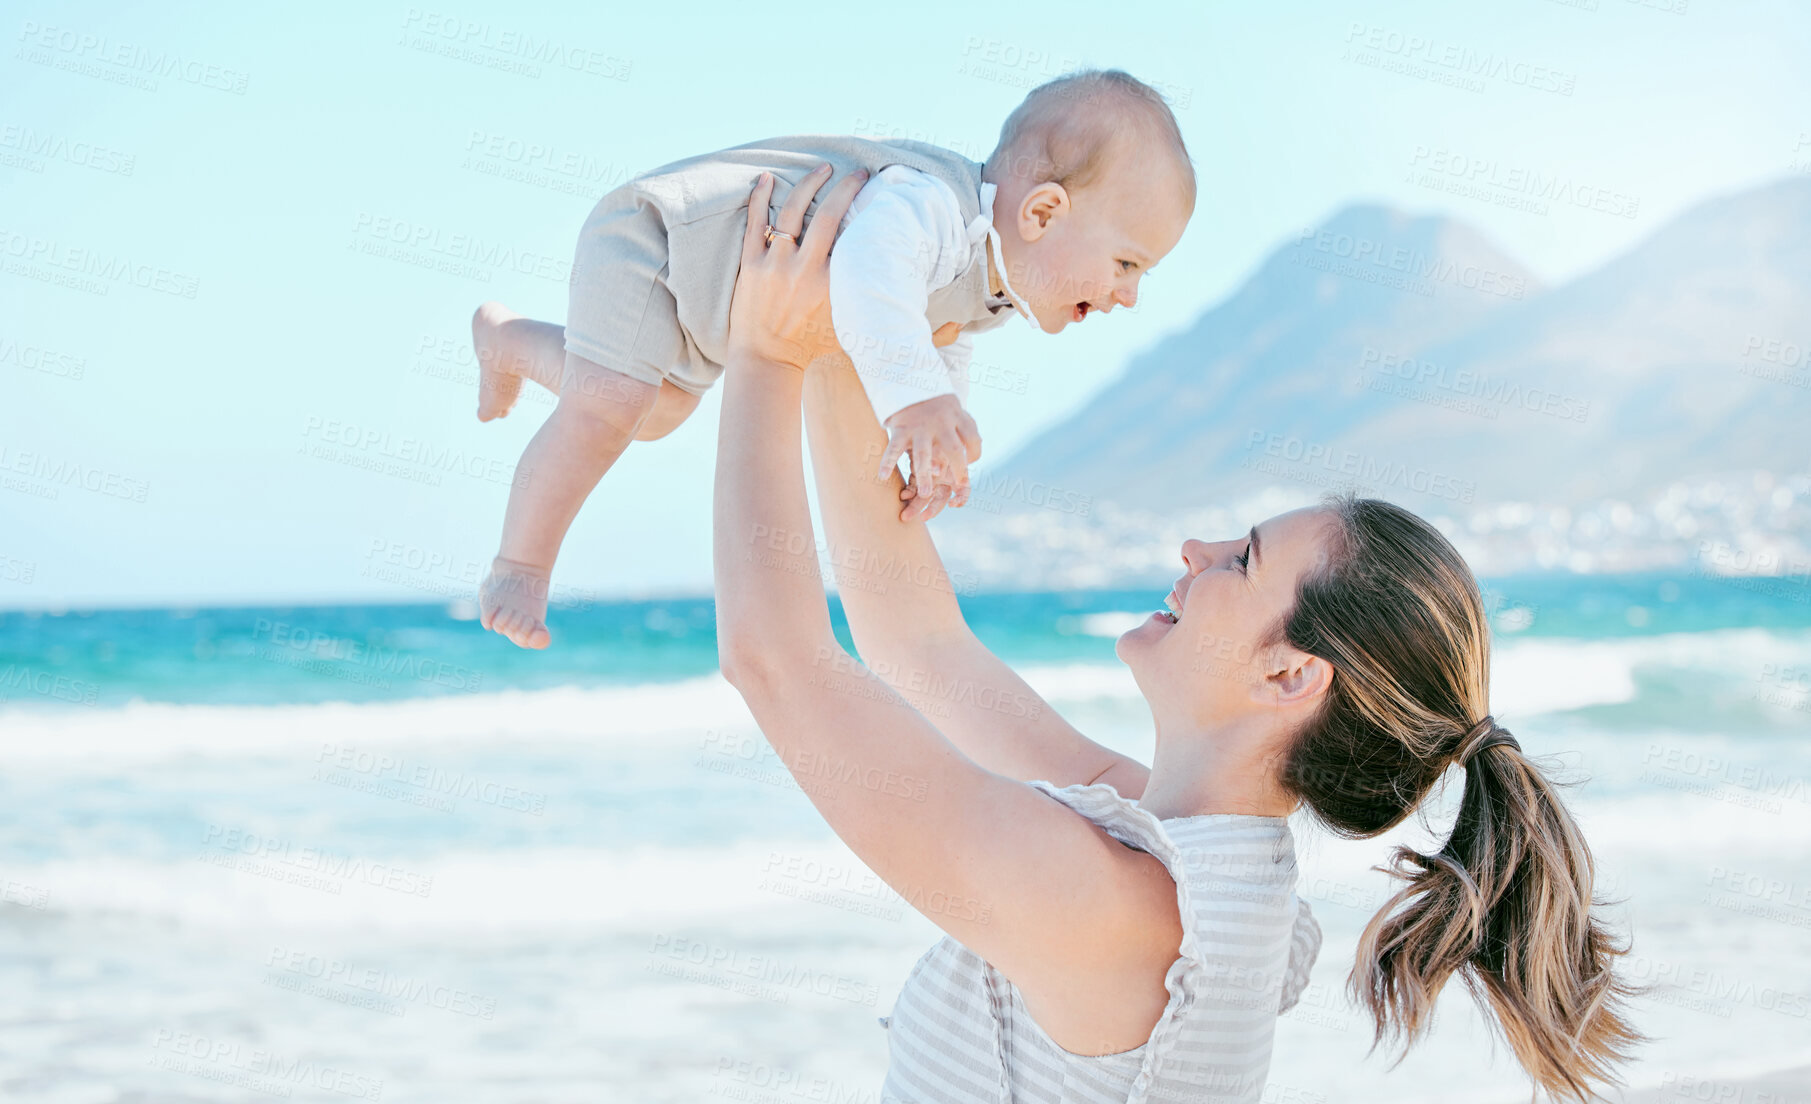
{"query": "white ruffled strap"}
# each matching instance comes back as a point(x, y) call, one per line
point(1129, 823)
point(1187, 978)
point(1304, 948)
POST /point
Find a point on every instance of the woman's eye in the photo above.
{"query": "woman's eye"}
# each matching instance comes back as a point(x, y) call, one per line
point(1244, 558)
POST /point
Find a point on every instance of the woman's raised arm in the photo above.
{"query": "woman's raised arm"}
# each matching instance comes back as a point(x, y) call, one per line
point(904, 616)
point(1051, 900)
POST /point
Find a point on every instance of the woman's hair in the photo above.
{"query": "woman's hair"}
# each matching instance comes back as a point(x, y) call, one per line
point(1506, 903)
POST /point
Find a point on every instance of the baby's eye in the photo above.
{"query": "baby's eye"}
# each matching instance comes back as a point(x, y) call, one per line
point(1127, 266)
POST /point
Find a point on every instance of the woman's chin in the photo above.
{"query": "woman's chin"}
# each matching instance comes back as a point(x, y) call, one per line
point(1134, 641)
point(1126, 646)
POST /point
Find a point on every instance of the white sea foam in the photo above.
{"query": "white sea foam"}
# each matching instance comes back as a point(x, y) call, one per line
point(525, 892)
point(552, 889)
point(1536, 676)
point(1075, 682)
point(1111, 624)
point(1530, 677)
point(559, 933)
point(140, 731)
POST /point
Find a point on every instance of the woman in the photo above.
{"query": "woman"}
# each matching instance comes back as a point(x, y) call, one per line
point(1119, 932)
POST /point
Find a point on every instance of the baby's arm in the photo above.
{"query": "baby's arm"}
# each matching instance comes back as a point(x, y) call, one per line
point(893, 251)
point(927, 428)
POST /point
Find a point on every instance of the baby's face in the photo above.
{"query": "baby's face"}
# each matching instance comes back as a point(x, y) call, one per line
point(1089, 254)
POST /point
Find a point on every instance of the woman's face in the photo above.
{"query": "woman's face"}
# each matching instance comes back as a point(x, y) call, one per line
point(1212, 660)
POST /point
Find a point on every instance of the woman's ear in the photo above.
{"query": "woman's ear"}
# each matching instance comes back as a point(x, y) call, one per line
point(1293, 677)
point(1041, 204)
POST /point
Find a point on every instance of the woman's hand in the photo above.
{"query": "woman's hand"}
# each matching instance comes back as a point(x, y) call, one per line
point(780, 310)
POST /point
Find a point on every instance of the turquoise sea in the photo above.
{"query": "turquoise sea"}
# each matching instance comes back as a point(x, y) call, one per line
point(372, 852)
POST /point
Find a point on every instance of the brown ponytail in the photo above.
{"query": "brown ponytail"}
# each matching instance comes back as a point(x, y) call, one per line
point(1505, 904)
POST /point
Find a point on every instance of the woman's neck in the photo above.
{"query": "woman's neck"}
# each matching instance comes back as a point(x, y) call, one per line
point(1197, 773)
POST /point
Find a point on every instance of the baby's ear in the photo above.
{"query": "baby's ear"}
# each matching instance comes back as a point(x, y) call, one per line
point(1047, 201)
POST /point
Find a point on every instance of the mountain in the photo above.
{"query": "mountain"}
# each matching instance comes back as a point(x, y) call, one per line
point(1411, 357)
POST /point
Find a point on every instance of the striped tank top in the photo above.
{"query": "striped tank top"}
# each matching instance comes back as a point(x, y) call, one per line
point(959, 1032)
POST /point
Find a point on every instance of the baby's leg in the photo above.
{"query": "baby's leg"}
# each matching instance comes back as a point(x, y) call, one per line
point(674, 406)
point(512, 348)
point(599, 413)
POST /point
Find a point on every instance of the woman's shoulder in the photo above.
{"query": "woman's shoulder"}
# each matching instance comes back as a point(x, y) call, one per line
point(1248, 941)
point(1234, 844)
point(1236, 879)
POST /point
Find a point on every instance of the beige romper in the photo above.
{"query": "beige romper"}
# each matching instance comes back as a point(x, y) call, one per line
point(657, 258)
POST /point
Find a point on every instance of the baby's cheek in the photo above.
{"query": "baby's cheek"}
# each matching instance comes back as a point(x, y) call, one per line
point(1066, 288)
point(1092, 283)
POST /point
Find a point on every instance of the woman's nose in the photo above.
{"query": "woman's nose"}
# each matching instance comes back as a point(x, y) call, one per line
point(1196, 555)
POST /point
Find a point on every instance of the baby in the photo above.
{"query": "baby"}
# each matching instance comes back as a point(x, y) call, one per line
point(1088, 188)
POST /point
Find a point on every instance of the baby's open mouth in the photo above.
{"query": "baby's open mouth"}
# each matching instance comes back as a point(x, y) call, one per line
point(1081, 310)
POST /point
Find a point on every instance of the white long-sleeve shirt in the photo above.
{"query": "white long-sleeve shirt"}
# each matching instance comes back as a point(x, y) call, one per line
point(903, 238)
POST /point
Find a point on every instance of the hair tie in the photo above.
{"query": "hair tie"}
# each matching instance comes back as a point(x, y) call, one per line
point(1484, 734)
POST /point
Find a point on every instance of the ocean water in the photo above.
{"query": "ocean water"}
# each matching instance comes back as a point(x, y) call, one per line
point(375, 853)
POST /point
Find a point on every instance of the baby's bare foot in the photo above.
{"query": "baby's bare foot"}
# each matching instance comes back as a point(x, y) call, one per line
point(498, 385)
point(513, 601)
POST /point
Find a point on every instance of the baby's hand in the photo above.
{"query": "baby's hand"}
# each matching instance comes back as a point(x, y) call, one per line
point(942, 441)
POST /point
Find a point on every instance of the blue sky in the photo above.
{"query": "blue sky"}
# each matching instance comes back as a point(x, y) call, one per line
point(206, 408)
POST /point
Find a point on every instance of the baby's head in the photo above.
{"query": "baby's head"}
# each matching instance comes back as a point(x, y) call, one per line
point(1094, 188)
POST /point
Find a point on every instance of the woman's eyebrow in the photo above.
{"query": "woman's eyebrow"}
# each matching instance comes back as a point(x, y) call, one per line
point(1254, 546)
